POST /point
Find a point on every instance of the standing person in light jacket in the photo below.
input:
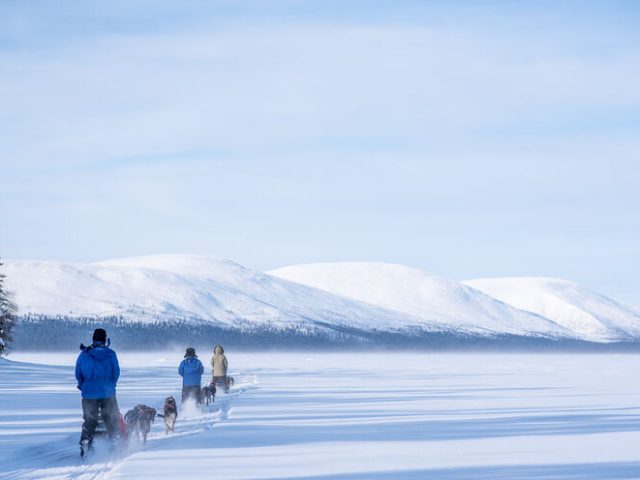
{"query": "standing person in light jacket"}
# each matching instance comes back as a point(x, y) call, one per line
point(191, 371)
point(97, 372)
point(219, 364)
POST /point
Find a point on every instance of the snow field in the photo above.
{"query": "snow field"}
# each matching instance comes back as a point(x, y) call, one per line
point(41, 416)
point(349, 416)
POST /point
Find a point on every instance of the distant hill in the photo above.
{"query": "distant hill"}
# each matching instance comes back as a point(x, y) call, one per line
point(165, 300)
point(184, 288)
point(591, 315)
point(437, 301)
point(560, 308)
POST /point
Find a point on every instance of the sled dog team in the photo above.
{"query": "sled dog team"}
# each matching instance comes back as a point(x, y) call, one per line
point(97, 372)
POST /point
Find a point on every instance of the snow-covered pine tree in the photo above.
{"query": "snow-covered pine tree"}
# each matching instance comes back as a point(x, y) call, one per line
point(8, 312)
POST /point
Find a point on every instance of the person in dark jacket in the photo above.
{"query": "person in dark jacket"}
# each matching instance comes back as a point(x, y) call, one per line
point(191, 371)
point(97, 372)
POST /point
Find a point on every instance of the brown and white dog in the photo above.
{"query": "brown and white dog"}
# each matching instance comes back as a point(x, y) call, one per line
point(170, 414)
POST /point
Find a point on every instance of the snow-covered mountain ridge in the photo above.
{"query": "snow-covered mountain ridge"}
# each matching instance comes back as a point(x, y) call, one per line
point(170, 287)
point(562, 308)
point(591, 315)
point(362, 299)
point(436, 301)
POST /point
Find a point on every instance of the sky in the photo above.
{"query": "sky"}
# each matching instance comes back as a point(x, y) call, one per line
point(466, 138)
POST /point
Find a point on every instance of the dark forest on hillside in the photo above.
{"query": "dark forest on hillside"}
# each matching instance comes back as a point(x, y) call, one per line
point(38, 332)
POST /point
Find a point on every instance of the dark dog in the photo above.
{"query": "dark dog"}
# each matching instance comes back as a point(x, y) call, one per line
point(139, 420)
point(170, 414)
point(223, 382)
point(208, 394)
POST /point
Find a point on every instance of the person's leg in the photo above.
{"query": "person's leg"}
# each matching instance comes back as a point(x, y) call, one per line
point(185, 393)
point(109, 407)
point(197, 392)
point(90, 417)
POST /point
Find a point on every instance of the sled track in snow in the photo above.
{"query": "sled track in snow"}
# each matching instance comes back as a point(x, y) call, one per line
point(45, 462)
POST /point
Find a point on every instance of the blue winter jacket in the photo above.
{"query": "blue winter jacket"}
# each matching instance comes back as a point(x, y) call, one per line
point(97, 372)
point(191, 371)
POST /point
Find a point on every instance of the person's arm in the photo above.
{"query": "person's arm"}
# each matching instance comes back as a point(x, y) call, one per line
point(226, 363)
point(213, 359)
point(79, 376)
point(181, 368)
point(115, 368)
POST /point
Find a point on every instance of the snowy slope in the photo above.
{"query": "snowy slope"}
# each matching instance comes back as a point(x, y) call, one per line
point(168, 287)
point(372, 297)
point(437, 301)
point(321, 416)
point(590, 315)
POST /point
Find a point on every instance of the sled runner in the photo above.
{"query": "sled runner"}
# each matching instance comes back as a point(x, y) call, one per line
point(86, 446)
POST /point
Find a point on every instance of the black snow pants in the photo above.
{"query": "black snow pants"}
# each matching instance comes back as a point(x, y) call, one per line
point(91, 407)
point(192, 391)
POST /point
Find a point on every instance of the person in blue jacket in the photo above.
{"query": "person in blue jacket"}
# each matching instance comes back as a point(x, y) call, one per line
point(97, 372)
point(191, 371)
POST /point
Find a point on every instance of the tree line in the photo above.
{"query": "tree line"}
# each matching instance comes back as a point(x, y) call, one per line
point(8, 312)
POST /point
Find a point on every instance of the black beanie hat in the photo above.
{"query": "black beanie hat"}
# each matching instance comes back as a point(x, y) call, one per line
point(191, 352)
point(100, 335)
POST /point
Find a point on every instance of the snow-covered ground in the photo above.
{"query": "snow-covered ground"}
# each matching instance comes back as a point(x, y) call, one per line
point(343, 416)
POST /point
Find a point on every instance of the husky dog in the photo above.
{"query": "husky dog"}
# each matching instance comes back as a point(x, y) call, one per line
point(139, 420)
point(208, 394)
point(170, 414)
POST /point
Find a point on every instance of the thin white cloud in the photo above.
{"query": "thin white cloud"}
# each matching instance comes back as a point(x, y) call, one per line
point(242, 88)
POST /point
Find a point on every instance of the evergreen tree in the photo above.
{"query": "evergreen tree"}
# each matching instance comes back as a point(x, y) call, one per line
point(8, 312)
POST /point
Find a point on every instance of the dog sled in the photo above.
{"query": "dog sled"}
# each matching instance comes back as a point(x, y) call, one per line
point(101, 431)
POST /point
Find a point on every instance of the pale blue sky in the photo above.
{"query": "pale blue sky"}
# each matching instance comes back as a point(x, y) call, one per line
point(467, 138)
